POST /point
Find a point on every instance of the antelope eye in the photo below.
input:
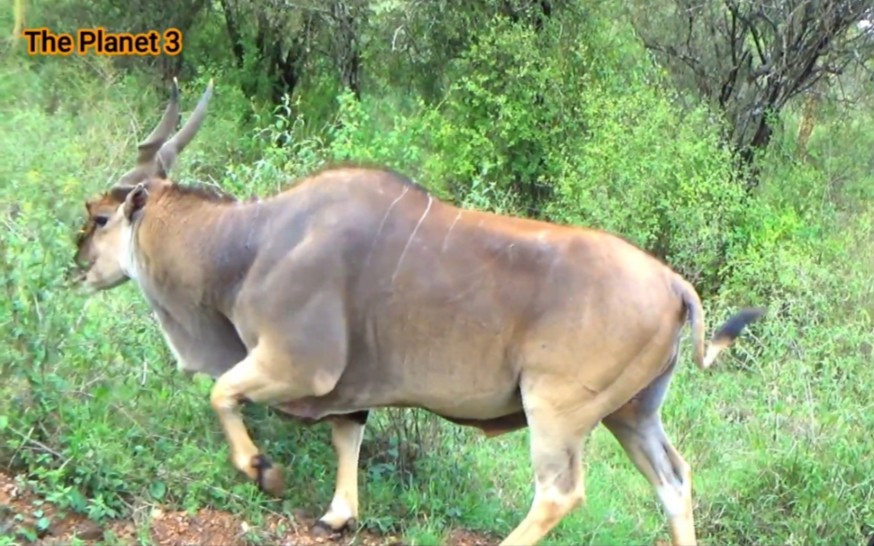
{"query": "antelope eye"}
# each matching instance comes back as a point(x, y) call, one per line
point(101, 220)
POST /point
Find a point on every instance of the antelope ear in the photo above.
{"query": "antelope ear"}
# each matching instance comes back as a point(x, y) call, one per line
point(120, 192)
point(135, 201)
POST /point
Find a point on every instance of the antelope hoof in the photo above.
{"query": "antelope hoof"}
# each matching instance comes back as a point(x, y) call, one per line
point(270, 479)
point(323, 529)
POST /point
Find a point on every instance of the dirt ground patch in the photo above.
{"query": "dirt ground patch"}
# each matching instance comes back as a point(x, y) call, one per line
point(32, 520)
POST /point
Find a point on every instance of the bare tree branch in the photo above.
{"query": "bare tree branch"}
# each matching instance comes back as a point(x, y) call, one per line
point(762, 53)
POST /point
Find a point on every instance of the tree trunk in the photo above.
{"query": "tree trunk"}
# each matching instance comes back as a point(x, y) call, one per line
point(808, 120)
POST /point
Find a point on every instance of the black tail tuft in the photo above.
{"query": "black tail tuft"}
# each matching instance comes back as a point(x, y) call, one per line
point(733, 326)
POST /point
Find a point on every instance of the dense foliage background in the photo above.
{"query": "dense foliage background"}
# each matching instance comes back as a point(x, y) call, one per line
point(732, 139)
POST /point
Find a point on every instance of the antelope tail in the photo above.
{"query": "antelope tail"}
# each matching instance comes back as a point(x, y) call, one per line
point(724, 336)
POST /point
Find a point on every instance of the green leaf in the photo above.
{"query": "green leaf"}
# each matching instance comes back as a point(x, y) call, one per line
point(43, 523)
point(158, 490)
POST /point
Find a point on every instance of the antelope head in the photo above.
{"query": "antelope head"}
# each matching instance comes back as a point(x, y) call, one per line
point(155, 158)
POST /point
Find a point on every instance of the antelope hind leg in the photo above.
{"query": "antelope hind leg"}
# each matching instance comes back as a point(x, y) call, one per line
point(646, 444)
point(556, 444)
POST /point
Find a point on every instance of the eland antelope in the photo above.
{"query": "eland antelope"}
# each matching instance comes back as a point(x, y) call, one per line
point(357, 289)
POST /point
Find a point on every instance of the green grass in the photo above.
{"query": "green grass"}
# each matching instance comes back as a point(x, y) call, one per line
point(94, 413)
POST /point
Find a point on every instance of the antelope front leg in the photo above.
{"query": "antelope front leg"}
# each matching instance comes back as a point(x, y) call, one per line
point(251, 381)
point(346, 434)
